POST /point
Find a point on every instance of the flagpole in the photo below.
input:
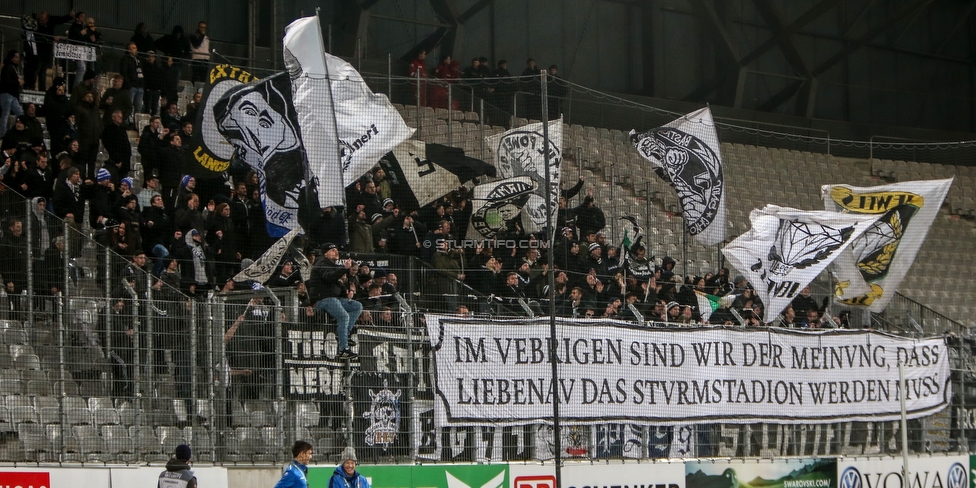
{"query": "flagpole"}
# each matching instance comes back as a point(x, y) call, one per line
point(550, 230)
point(338, 155)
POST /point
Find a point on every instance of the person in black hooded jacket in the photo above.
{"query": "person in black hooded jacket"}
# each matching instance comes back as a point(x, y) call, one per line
point(176, 46)
point(56, 109)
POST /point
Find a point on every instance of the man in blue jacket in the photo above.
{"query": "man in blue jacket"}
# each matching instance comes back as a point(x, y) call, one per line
point(296, 473)
point(345, 475)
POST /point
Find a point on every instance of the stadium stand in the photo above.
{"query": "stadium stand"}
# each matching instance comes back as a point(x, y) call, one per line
point(60, 400)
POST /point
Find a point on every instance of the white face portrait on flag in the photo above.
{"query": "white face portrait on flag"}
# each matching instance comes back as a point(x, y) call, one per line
point(787, 248)
point(687, 154)
point(869, 273)
point(522, 152)
point(259, 121)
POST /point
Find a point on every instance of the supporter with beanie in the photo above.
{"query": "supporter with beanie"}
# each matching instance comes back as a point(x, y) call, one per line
point(178, 473)
point(345, 475)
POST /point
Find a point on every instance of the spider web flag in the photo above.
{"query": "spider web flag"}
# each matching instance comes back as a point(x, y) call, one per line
point(787, 248)
point(870, 271)
point(686, 154)
point(522, 152)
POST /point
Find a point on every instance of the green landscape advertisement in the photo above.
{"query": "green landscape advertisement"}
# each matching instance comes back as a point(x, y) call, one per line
point(427, 476)
point(783, 473)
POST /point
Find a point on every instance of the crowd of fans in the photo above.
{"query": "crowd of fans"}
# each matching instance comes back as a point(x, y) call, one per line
point(200, 234)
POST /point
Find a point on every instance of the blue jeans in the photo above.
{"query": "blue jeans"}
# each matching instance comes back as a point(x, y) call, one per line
point(8, 105)
point(136, 95)
point(80, 68)
point(160, 253)
point(346, 313)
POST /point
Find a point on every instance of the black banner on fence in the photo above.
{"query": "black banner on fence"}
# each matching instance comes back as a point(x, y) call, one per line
point(381, 425)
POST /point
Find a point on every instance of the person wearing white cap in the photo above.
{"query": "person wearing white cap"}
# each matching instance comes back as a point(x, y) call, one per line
point(345, 475)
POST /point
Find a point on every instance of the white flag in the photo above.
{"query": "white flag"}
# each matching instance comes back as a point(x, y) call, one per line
point(787, 248)
point(686, 153)
point(522, 152)
point(870, 271)
point(262, 269)
point(345, 130)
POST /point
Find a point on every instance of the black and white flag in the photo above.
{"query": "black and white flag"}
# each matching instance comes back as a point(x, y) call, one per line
point(365, 123)
point(787, 248)
point(307, 133)
point(497, 206)
point(686, 153)
point(522, 152)
point(260, 122)
point(872, 269)
point(420, 173)
point(212, 151)
point(261, 270)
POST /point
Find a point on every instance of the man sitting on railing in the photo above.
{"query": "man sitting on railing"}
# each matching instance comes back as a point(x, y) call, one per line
point(326, 289)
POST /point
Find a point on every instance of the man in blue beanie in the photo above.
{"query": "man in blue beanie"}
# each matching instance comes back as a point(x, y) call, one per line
point(178, 473)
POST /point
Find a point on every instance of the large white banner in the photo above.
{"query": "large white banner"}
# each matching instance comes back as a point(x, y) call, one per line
point(686, 153)
point(787, 248)
point(522, 151)
point(499, 373)
point(870, 271)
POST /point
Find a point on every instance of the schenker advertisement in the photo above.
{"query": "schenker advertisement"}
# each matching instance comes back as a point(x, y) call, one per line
point(499, 373)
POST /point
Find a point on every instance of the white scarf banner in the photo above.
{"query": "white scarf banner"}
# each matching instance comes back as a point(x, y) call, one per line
point(366, 124)
point(261, 270)
point(787, 248)
point(522, 152)
point(870, 271)
point(499, 373)
point(687, 154)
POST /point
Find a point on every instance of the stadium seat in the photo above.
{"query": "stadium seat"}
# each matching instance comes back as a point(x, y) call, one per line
point(70, 388)
point(15, 337)
point(76, 410)
point(307, 414)
point(170, 437)
point(260, 413)
point(10, 387)
point(117, 440)
point(92, 444)
point(23, 414)
point(145, 439)
point(39, 388)
point(27, 361)
point(36, 443)
point(199, 438)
